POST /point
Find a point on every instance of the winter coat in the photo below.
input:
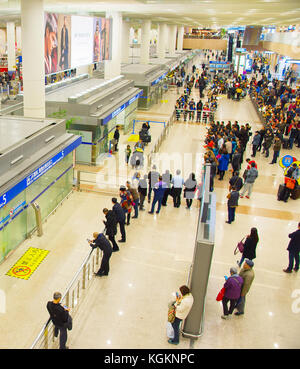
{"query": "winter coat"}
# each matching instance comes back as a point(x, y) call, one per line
point(233, 287)
point(249, 248)
point(223, 162)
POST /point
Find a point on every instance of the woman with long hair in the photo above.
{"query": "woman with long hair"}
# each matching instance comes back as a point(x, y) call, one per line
point(250, 246)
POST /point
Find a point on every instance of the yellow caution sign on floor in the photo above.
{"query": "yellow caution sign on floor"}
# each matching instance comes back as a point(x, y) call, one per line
point(133, 138)
point(28, 263)
point(164, 101)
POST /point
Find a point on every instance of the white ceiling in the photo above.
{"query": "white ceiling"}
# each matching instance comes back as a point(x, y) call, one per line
point(193, 13)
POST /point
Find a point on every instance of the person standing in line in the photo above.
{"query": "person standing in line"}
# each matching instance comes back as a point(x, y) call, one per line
point(189, 190)
point(167, 178)
point(159, 190)
point(142, 190)
point(183, 307)
point(102, 242)
point(250, 246)
point(153, 176)
point(116, 138)
point(61, 319)
point(120, 216)
point(127, 153)
point(126, 202)
point(232, 204)
point(276, 148)
point(236, 161)
point(293, 249)
point(177, 182)
point(223, 164)
point(255, 143)
point(111, 227)
point(135, 197)
point(249, 181)
point(247, 273)
point(236, 181)
point(233, 287)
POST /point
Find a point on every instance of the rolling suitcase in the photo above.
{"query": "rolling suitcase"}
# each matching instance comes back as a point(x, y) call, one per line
point(280, 192)
point(295, 194)
point(285, 143)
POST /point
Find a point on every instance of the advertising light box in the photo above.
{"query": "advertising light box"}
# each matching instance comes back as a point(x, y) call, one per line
point(74, 41)
point(82, 41)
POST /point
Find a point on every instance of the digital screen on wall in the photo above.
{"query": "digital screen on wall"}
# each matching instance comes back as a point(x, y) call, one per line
point(73, 41)
point(252, 35)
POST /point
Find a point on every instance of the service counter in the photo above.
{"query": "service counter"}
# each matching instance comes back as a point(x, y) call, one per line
point(36, 175)
point(93, 108)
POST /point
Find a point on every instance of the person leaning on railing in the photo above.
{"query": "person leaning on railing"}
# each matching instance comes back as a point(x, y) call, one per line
point(61, 319)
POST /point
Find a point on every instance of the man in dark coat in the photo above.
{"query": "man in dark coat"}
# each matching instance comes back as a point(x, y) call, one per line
point(111, 227)
point(120, 215)
point(102, 242)
point(116, 137)
point(293, 249)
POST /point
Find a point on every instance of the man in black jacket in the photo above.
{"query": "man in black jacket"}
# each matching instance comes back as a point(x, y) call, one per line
point(111, 227)
point(102, 242)
point(120, 215)
point(116, 137)
point(293, 249)
point(60, 318)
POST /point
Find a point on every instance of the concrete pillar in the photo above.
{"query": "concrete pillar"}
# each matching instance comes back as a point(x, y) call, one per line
point(145, 41)
point(180, 38)
point(11, 46)
point(161, 47)
point(19, 37)
point(125, 42)
point(112, 68)
point(172, 40)
point(33, 50)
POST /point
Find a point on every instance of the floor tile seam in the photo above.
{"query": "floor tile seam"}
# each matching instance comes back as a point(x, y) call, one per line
point(241, 209)
point(155, 266)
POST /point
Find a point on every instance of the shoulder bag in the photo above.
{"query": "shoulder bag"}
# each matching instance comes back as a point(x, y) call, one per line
point(239, 247)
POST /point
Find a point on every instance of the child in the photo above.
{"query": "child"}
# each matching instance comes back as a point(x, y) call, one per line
point(127, 153)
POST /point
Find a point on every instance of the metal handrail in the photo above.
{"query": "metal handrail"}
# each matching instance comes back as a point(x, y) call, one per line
point(70, 285)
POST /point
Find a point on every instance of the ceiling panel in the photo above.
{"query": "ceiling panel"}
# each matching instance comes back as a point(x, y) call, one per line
point(181, 12)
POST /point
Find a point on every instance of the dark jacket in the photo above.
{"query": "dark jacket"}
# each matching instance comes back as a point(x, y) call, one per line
point(58, 314)
point(294, 244)
point(249, 248)
point(142, 187)
point(102, 242)
point(237, 182)
point(159, 190)
point(234, 199)
point(111, 223)
point(119, 212)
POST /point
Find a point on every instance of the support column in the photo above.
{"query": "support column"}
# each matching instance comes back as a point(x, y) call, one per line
point(172, 40)
point(11, 47)
point(145, 42)
point(161, 47)
point(180, 38)
point(33, 49)
point(112, 68)
point(125, 42)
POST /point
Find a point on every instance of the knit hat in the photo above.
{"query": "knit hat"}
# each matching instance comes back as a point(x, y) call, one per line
point(249, 262)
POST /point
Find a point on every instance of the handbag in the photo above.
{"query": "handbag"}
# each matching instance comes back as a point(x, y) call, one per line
point(221, 294)
point(171, 312)
point(239, 247)
point(290, 183)
point(170, 330)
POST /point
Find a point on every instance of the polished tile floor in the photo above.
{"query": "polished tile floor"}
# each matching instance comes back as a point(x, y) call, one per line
point(128, 309)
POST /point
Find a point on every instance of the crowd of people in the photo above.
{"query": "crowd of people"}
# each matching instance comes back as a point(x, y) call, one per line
point(225, 145)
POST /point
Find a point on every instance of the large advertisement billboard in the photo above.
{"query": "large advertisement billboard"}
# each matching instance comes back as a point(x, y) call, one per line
point(73, 41)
